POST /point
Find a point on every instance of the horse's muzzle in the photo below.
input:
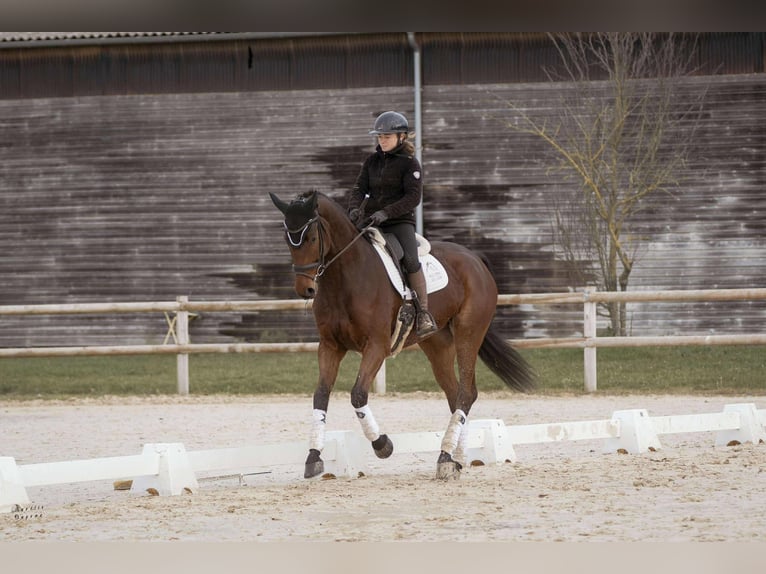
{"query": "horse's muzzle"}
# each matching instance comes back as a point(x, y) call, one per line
point(309, 293)
point(305, 288)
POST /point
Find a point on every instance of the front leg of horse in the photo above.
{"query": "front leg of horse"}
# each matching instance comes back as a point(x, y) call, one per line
point(314, 462)
point(329, 363)
point(449, 464)
point(381, 444)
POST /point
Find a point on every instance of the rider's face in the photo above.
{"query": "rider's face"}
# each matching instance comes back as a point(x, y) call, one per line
point(388, 141)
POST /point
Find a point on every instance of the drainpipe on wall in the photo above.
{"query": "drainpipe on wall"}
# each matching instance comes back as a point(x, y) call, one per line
point(418, 121)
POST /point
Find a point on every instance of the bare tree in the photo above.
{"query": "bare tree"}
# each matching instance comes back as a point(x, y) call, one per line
point(622, 133)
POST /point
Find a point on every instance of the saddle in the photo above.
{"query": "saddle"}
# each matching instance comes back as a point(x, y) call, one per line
point(391, 253)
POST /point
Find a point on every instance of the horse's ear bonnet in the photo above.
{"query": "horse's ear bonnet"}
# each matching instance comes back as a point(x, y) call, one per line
point(300, 211)
point(299, 214)
point(280, 205)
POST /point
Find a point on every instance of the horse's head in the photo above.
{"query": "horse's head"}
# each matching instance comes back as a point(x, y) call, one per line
point(304, 238)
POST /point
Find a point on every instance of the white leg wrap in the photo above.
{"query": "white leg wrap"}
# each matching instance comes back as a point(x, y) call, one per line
point(453, 432)
point(318, 424)
point(460, 451)
point(369, 426)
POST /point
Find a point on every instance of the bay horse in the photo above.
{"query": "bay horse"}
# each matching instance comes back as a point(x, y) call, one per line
point(356, 309)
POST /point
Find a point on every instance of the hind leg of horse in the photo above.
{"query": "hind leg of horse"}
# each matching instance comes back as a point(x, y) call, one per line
point(329, 363)
point(372, 359)
point(441, 352)
point(453, 447)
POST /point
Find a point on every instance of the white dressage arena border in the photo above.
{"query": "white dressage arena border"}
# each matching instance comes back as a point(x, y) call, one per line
point(168, 469)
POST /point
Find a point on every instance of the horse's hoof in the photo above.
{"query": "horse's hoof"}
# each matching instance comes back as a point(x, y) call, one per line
point(383, 446)
point(447, 468)
point(314, 464)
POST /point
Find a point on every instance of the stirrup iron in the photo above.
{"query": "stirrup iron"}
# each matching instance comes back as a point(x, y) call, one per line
point(425, 324)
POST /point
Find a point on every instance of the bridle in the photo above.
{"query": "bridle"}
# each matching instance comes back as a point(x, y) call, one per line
point(320, 265)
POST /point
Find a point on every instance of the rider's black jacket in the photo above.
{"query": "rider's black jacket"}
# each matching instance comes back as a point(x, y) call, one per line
point(394, 181)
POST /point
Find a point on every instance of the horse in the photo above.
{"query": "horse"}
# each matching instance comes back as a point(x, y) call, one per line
point(356, 309)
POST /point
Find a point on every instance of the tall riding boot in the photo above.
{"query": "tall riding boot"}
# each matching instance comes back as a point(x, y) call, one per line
point(425, 323)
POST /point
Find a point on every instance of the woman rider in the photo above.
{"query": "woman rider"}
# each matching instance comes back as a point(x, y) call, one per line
point(392, 178)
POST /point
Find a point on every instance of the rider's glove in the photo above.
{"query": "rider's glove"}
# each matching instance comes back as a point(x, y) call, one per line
point(378, 217)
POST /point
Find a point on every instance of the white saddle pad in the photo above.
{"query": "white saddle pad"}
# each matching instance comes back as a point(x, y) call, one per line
point(433, 270)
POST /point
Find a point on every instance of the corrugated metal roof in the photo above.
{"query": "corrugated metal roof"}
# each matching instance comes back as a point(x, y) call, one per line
point(71, 64)
point(224, 63)
point(37, 39)
point(38, 36)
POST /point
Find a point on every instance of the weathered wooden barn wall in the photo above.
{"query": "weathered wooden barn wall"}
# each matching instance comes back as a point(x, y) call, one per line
point(491, 188)
point(144, 197)
point(138, 198)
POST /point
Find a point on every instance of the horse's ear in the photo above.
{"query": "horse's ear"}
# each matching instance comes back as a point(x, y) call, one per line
point(313, 200)
point(281, 205)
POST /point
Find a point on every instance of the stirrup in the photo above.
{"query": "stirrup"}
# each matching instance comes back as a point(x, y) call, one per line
point(426, 325)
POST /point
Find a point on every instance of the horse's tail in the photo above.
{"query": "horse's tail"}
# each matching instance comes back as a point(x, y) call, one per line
point(503, 360)
point(506, 362)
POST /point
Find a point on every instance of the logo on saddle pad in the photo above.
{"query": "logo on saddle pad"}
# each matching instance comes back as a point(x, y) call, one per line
point(433, 270)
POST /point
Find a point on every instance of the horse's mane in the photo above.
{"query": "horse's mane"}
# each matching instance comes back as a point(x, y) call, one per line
point(325, 199)
point(307, 194)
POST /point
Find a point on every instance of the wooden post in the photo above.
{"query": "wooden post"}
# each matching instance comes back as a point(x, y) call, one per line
point(379, 386)
point(182, 359)
point(589, 332)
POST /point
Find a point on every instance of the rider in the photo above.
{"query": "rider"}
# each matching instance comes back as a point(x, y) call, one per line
point(392, 178)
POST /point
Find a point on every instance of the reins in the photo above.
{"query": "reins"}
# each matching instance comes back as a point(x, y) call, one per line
point(342, 251)
point(322, 268)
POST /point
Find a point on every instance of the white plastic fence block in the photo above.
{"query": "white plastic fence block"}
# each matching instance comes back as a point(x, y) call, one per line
point(345, 452)
point(557, 432)
point(496, 447)
point(84, 470)
point(248, 457)
point(412, 442)
point(12, 490)
point(175, 473)
point(636, 432)
point(707, 422)
point(750, 427)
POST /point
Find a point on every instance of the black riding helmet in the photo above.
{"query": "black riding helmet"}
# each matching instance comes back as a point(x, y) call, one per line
point(390, 123)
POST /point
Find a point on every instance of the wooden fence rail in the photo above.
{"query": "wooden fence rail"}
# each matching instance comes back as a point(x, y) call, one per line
point(182, 347)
